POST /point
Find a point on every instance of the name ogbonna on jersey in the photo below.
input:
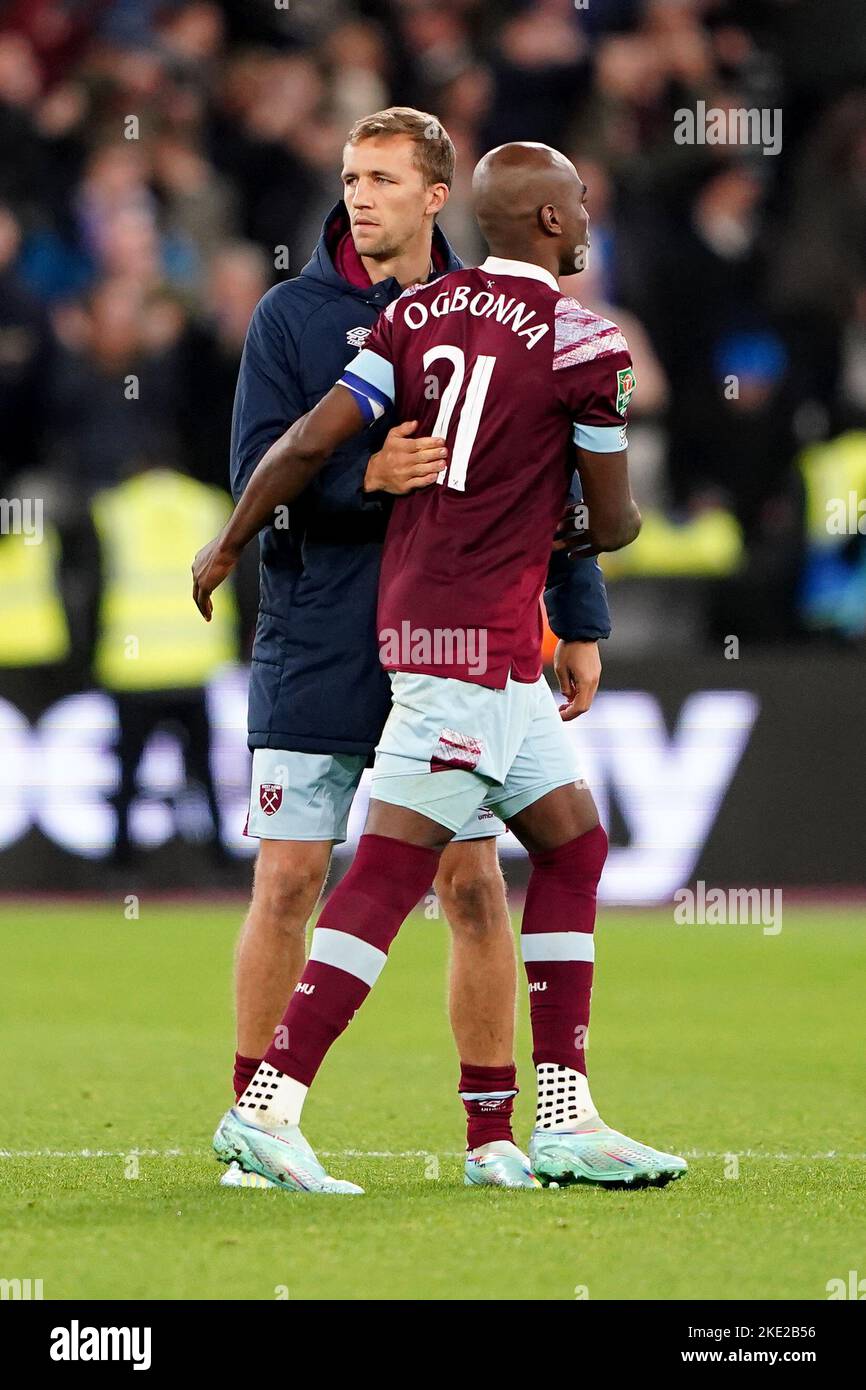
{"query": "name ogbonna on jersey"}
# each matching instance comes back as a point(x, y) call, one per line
point(512, 313)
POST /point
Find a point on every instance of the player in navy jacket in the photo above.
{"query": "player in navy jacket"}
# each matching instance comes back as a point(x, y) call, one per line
point(318, 695)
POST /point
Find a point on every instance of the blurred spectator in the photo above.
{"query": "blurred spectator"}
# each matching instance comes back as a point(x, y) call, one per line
point(24, 360)
point(541, 75)
point(714, 259)
point(152, 651)
point(819, 269)
point(237, 278)
point(199, 206)
point(117, 392)
point(357, 59)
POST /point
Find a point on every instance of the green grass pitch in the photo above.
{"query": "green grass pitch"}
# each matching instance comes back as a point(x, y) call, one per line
point(116, 1038)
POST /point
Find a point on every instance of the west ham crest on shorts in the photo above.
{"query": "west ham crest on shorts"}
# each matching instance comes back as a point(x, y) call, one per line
point(456, 750)
point(270, 797)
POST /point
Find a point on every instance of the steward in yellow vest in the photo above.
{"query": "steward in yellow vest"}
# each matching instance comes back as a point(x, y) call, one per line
point(153, 652)
point(33, 627)
point(150, 635)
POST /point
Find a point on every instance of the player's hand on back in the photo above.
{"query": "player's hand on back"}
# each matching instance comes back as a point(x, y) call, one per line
point(404, 464)
point(577, 666)
point(570, 534)
point(213, 563)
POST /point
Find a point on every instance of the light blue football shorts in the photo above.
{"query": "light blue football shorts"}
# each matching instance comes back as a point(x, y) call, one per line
point(450, 747)
point(308, 796)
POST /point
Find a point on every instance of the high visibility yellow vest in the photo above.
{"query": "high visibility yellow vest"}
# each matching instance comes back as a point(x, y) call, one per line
point(33, 628)
point(834, 475)
point(151, 636)
point(709, 545)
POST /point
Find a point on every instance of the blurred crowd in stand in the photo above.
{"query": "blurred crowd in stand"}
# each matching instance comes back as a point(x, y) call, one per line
point(164, 163)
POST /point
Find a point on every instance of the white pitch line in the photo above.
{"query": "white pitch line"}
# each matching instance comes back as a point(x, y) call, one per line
point(206, 1153)
point(404, 1153)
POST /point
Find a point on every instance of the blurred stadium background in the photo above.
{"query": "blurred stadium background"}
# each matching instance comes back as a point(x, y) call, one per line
point(164, 163)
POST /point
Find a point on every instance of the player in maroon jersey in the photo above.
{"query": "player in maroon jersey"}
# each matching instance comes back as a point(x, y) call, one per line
point(507, 371)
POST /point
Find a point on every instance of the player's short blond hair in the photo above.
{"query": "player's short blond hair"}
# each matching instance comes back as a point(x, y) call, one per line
point(434, 151)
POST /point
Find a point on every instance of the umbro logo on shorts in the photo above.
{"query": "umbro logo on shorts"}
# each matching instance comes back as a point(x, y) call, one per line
point(456, 750)
point(270, 797)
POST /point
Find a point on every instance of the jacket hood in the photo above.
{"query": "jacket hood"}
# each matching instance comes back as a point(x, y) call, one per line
point(321, 265)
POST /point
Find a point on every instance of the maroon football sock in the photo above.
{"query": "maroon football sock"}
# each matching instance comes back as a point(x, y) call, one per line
point(245, 1070)
point(350, 945)
point(488, 1096)
point(557, 944)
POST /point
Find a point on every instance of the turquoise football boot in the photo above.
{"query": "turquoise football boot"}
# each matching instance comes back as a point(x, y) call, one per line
point(597, 1154)
point(498, 1164)
point(281, 1154)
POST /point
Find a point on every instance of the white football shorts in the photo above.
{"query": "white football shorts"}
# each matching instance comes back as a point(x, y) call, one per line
point(450, 748)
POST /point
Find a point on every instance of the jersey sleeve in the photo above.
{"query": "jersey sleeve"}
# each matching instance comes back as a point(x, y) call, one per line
point(593, 377)
point(370, 375)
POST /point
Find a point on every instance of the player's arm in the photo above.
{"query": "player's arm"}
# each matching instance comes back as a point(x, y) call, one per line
point(595, 386)
point(289, 465)
point(577, 611)
point(607, 519)
point(612, 517)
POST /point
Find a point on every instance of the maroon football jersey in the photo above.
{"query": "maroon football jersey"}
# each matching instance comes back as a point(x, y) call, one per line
point(508, 370)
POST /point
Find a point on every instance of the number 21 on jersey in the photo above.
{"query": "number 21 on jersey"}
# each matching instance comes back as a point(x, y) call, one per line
point(470, 415)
